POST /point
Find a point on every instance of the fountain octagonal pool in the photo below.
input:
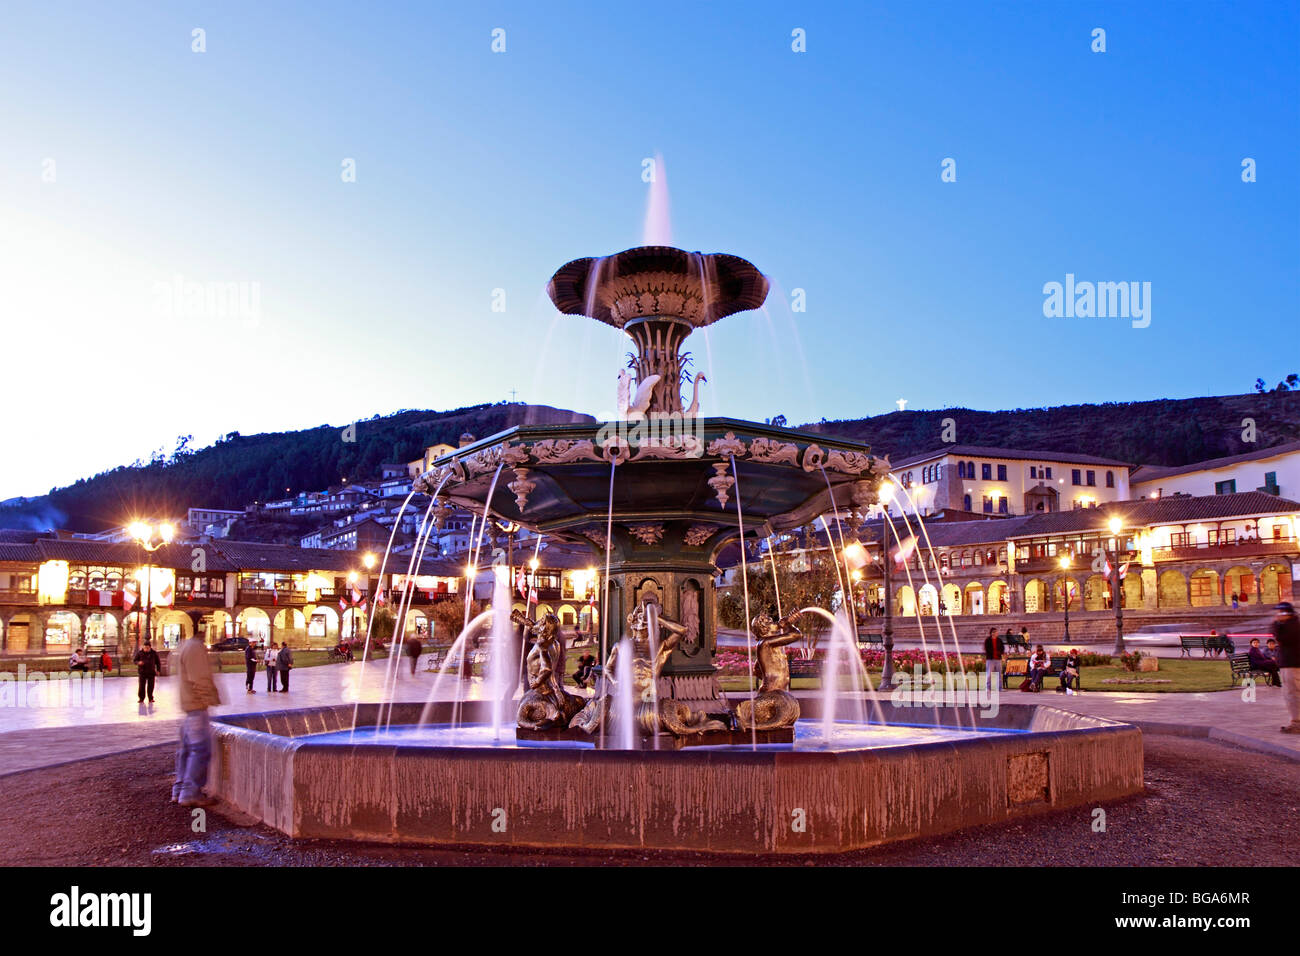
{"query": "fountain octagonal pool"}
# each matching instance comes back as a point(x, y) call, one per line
point(281, 768)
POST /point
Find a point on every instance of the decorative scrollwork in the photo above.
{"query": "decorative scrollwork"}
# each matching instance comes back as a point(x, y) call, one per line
point(557, 451)
point(848, 462)
point(727, 446)
point(773, 452)
point(649, 533)
point(697, 534)
point(813, 456)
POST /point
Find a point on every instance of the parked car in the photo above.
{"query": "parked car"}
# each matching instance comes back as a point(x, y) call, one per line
point(231, 644)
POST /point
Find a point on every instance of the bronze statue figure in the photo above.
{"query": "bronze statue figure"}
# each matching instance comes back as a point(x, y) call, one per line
point(547, 704)
point(773, 705)
point(651, 712)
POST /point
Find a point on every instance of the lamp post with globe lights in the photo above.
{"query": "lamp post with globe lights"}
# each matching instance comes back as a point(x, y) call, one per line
point(149, 539)
point(1065, 587)
point(886, 495)
point(1116, 525)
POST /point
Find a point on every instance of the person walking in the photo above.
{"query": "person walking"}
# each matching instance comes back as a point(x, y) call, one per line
point(271, 665)
point(413, 649)
point(285, 660)
point(147, 666)
point(992, 660)
point(198, 692)
point(1286, 631)
point(250, 666)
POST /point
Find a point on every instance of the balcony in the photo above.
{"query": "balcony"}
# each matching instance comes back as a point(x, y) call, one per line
point(17, 597)
point(1237, 549)
point(265, 596)
point(1052, 563)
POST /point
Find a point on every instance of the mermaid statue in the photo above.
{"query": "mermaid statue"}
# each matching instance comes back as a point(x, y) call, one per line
point(652, 638)
point(546, 705)
point(773, 705)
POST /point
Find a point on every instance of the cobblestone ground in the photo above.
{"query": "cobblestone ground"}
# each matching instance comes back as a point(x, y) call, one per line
point(1206, 803)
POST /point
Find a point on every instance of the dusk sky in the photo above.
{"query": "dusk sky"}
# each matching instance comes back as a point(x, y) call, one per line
point(128, 160)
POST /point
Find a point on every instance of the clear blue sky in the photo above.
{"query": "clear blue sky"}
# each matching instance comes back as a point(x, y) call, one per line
point(478, 171)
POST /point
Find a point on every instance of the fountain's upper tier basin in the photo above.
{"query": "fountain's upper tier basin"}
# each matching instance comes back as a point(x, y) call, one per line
point(658, 281)
point(557, 478)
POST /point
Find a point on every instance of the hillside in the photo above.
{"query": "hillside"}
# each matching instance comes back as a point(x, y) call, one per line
point(241, 469)
point(1162, 432)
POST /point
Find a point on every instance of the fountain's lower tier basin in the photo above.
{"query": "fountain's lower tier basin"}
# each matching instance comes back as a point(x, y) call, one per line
point(930, 771)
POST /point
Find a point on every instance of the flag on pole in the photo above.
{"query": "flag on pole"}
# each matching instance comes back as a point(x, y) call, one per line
point(343, 605)
point(129, 595)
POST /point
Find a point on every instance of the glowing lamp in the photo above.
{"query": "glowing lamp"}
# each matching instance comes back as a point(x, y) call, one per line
point(855, 556)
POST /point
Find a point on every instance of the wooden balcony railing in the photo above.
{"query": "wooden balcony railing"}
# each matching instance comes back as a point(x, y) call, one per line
point(1222, 552)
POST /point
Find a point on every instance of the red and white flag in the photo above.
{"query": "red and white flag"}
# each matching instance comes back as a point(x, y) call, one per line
point(356, 595)
point(130, 594)
point(1123, 569)
point(343, 605)
point(166, 594)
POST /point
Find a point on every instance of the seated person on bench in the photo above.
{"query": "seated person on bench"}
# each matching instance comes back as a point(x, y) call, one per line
point(1038, 665)
point(1260, 661)
point(585, 665)
point(1070, 672)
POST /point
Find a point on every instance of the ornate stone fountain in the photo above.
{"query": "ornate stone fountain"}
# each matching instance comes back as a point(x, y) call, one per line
point(658, 494)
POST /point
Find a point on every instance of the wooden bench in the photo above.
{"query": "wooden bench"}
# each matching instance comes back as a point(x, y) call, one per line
point(1055, 668)
point(1206, 643)
point(868, 641)
point(1014, 640)
point(1242, 668)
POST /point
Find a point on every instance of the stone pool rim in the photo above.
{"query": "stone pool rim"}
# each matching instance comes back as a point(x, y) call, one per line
point(708, 800)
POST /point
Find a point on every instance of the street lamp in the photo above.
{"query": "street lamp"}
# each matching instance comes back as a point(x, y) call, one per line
point(1116, 525)
point(144, 535)
point(886, 495)
point(1065, 586)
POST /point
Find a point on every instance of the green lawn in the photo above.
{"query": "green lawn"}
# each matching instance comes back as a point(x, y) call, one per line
point(1187, 676)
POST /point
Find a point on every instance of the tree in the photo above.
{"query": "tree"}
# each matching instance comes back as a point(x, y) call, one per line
point(449, 618)
point(1292, 381)
point(805, 577)
point(382, 624)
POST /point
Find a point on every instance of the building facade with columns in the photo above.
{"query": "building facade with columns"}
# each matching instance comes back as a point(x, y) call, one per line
point(57, 594)
point(1176, 553)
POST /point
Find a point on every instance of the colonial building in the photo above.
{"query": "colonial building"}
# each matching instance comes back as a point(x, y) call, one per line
point(1006, 481)
point(1273, 470)
point(57, 593)
point(1175, 553)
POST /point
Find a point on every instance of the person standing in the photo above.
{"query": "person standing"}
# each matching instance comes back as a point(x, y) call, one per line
point(198, 692)
point(1286, 631)
point(285, 660)
point(147, 666)
point(250, 666)
point(272, 666)
point(992, 660)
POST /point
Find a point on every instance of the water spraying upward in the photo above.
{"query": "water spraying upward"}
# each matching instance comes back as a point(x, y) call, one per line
point(657, 230)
